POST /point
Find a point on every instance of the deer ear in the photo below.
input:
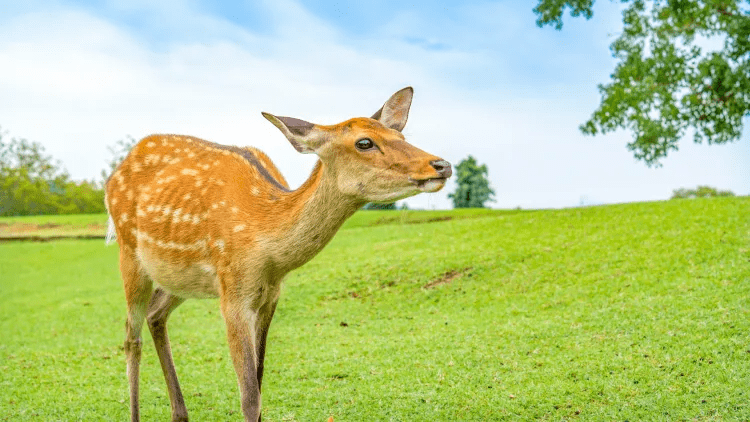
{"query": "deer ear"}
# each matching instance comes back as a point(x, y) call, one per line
point(301, 134)
point(395, 111)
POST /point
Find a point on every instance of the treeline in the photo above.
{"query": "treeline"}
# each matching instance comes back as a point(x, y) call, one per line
point(32, 183)
point(700, 192)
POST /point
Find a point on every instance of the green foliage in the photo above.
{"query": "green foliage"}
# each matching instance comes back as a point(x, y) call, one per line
point(700, 192)
point(379, 206)
point(473, 188)
point(31, 183)
point(664, 82)
point(628, 312)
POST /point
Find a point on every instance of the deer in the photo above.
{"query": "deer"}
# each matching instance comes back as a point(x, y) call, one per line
point(196, 219)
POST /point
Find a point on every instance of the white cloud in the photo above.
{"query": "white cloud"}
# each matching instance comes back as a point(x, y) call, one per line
point(78, 82)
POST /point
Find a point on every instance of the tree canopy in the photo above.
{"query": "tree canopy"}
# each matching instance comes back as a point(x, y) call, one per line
point(473, 188)
point(666, 80)
point(32, 183)
point(380, 206)
point(700, 192)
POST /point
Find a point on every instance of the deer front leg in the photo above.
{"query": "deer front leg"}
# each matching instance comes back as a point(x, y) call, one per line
point(264, 322)
point(241, 335)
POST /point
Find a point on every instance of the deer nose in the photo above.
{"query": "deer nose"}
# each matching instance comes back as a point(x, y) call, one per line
point(442, 167)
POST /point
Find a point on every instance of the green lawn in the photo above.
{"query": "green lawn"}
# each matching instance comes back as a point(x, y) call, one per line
point(625, 312)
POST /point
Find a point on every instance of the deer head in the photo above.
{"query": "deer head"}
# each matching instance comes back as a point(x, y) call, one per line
point(371, 157)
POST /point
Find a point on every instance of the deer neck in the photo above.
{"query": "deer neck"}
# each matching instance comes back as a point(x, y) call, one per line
point(316, 211)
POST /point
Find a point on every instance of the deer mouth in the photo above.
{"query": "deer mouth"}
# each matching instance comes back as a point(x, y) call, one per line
point(432, 184)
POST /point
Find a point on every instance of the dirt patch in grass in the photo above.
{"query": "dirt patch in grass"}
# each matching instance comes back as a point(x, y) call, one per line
point(448, 277)
point(36, 238)
point(49, 231)
point(398, 219)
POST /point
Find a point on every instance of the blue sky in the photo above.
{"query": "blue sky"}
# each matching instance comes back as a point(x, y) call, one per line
point(488, 82)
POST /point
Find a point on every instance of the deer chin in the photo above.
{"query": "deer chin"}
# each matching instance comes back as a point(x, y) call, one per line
point(433, 184)
point(393, 196)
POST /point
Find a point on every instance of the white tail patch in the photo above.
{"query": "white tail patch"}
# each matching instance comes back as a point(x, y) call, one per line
point(111, 234)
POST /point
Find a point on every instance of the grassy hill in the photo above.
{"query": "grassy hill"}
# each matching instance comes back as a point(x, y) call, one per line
point(623, 312)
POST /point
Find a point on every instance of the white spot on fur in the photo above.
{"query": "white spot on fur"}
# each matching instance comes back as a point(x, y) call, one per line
point(166, 179)
point(238, 228)
point(152, 159)
point(255, 191)
point(189, 172)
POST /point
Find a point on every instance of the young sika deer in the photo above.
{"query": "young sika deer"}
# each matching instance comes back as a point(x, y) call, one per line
point(197, 220)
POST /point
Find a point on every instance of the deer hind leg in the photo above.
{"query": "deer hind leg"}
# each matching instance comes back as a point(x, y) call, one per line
point(137, 294)
point(162, 304)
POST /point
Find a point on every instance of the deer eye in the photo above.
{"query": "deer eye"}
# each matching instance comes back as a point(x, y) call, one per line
point(364, 144)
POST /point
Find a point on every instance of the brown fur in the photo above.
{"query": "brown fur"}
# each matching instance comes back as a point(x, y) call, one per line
point(196, 219)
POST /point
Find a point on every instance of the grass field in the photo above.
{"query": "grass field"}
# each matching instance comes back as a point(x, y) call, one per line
point(624, 312)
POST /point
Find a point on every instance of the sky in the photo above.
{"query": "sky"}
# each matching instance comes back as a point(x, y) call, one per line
point(77, 76)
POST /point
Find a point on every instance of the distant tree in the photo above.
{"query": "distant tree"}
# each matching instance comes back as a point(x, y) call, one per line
point(700, 192)
point(32, 183)
point(665, 82)
point(473, 188)
point(118, 151)
point(378, 206)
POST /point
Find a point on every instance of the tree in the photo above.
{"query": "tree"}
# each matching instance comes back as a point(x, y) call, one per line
point(119, 151)
point(379, 206)
point(32, 183)
point(473, 188)
point(665, 82)
point(700, 192)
